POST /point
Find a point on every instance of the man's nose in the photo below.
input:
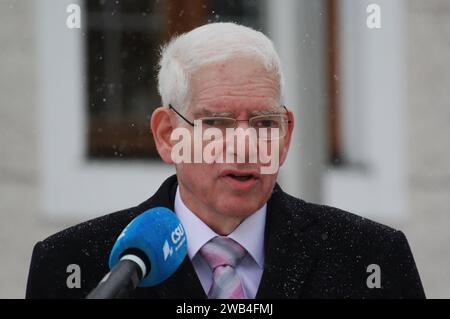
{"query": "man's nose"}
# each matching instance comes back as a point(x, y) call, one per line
point(244, 143)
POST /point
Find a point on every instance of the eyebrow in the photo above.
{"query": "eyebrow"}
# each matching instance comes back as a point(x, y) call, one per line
point(272, 111)
point(206, 112)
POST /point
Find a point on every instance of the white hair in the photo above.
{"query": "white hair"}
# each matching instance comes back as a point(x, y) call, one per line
point(209, 43)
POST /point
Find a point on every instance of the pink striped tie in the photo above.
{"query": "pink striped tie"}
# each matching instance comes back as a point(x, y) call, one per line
point(222, 254)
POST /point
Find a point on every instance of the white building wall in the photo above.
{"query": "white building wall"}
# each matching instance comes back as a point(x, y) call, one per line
point(428, 141)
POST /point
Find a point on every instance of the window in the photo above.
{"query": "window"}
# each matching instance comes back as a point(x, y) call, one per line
point(123, 42)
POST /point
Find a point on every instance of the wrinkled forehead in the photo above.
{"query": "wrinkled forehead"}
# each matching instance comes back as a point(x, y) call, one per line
point(239, 69)
point(234, 85)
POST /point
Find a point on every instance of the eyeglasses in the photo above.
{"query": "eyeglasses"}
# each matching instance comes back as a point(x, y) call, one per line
point(267, 122)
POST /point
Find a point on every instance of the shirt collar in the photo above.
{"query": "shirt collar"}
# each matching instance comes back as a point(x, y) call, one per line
point(249, 234)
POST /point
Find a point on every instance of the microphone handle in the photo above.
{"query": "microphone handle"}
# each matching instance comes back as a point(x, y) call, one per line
point(119, 282)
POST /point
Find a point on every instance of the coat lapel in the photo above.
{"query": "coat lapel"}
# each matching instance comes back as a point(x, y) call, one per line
point(290, 248)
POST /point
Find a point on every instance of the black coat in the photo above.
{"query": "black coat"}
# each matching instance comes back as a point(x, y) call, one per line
point(311, 251)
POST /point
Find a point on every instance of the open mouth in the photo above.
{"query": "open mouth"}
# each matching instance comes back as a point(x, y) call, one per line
point(241, 178)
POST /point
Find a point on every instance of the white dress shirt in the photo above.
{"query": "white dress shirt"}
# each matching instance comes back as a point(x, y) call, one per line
point(249, 234)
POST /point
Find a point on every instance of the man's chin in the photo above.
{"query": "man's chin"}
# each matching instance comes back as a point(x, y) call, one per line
point(239, 209)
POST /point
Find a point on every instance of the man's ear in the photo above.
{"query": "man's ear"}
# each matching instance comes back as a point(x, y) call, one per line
point(287, 139)
point(162, 125)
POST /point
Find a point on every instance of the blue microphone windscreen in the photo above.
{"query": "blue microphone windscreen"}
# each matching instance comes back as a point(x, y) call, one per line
point(159, 234)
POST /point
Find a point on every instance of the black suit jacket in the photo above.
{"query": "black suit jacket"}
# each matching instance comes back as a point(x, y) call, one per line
point(311, 251)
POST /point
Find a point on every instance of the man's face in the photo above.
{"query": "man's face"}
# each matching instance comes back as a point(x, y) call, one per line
point(239, 89)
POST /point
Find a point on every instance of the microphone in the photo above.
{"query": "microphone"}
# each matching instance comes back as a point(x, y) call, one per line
point(147, 252)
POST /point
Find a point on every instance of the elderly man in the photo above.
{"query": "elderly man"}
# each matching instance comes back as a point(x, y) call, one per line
point(217, 79)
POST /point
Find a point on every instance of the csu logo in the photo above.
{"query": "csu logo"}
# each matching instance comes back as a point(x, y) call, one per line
point(176, 236)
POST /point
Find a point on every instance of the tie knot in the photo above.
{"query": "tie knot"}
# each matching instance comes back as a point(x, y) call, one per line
point(221, 251)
